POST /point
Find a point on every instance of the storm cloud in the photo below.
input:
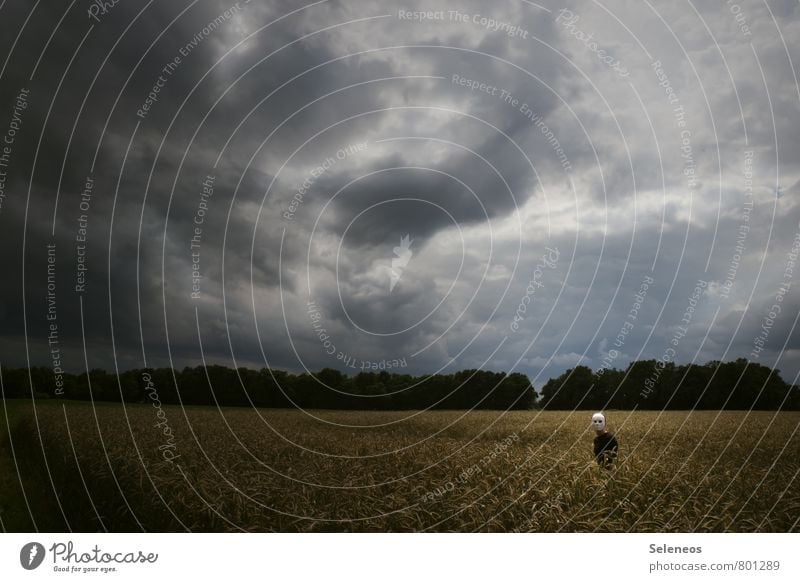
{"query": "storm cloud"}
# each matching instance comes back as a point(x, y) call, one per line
point(452, 185)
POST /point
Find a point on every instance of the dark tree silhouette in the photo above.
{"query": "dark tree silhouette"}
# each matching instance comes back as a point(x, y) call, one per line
point(646, 385)
point(654, 385)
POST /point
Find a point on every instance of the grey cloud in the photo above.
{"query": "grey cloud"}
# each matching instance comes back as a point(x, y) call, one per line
point(267, 289)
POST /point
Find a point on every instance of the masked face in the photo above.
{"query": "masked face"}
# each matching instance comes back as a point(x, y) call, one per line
point(598, 421)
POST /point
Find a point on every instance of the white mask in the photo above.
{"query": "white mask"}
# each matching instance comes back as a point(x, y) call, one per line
point(598, 421)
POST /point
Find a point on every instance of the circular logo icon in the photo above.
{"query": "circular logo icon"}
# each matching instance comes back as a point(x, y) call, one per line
point(31, 555)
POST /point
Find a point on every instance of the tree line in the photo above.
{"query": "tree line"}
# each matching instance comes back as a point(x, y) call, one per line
point(656, 385)
point(329, 388)
point(647, 385)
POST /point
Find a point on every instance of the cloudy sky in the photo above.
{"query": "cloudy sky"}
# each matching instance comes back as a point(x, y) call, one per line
point(420, 186)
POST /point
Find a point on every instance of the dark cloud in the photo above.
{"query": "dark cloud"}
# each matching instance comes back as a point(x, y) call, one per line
point(543, 145)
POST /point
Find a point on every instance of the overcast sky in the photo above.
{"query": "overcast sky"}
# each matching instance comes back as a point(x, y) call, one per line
point(508, 185)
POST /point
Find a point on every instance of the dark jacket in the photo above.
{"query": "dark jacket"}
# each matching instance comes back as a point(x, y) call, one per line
point(605, 449)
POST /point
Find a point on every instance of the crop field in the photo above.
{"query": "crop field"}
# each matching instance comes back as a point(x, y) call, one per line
point(137, 468)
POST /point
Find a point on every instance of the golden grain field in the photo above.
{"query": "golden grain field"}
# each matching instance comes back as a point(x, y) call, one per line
point(282, 470)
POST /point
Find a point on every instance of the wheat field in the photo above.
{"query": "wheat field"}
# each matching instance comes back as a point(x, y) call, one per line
point(137, 468)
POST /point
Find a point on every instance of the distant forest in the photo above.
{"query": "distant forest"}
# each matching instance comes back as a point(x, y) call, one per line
point(646, 385)
point(655, 385)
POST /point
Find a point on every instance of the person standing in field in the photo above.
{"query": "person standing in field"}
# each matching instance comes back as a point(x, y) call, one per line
point(605, 443)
